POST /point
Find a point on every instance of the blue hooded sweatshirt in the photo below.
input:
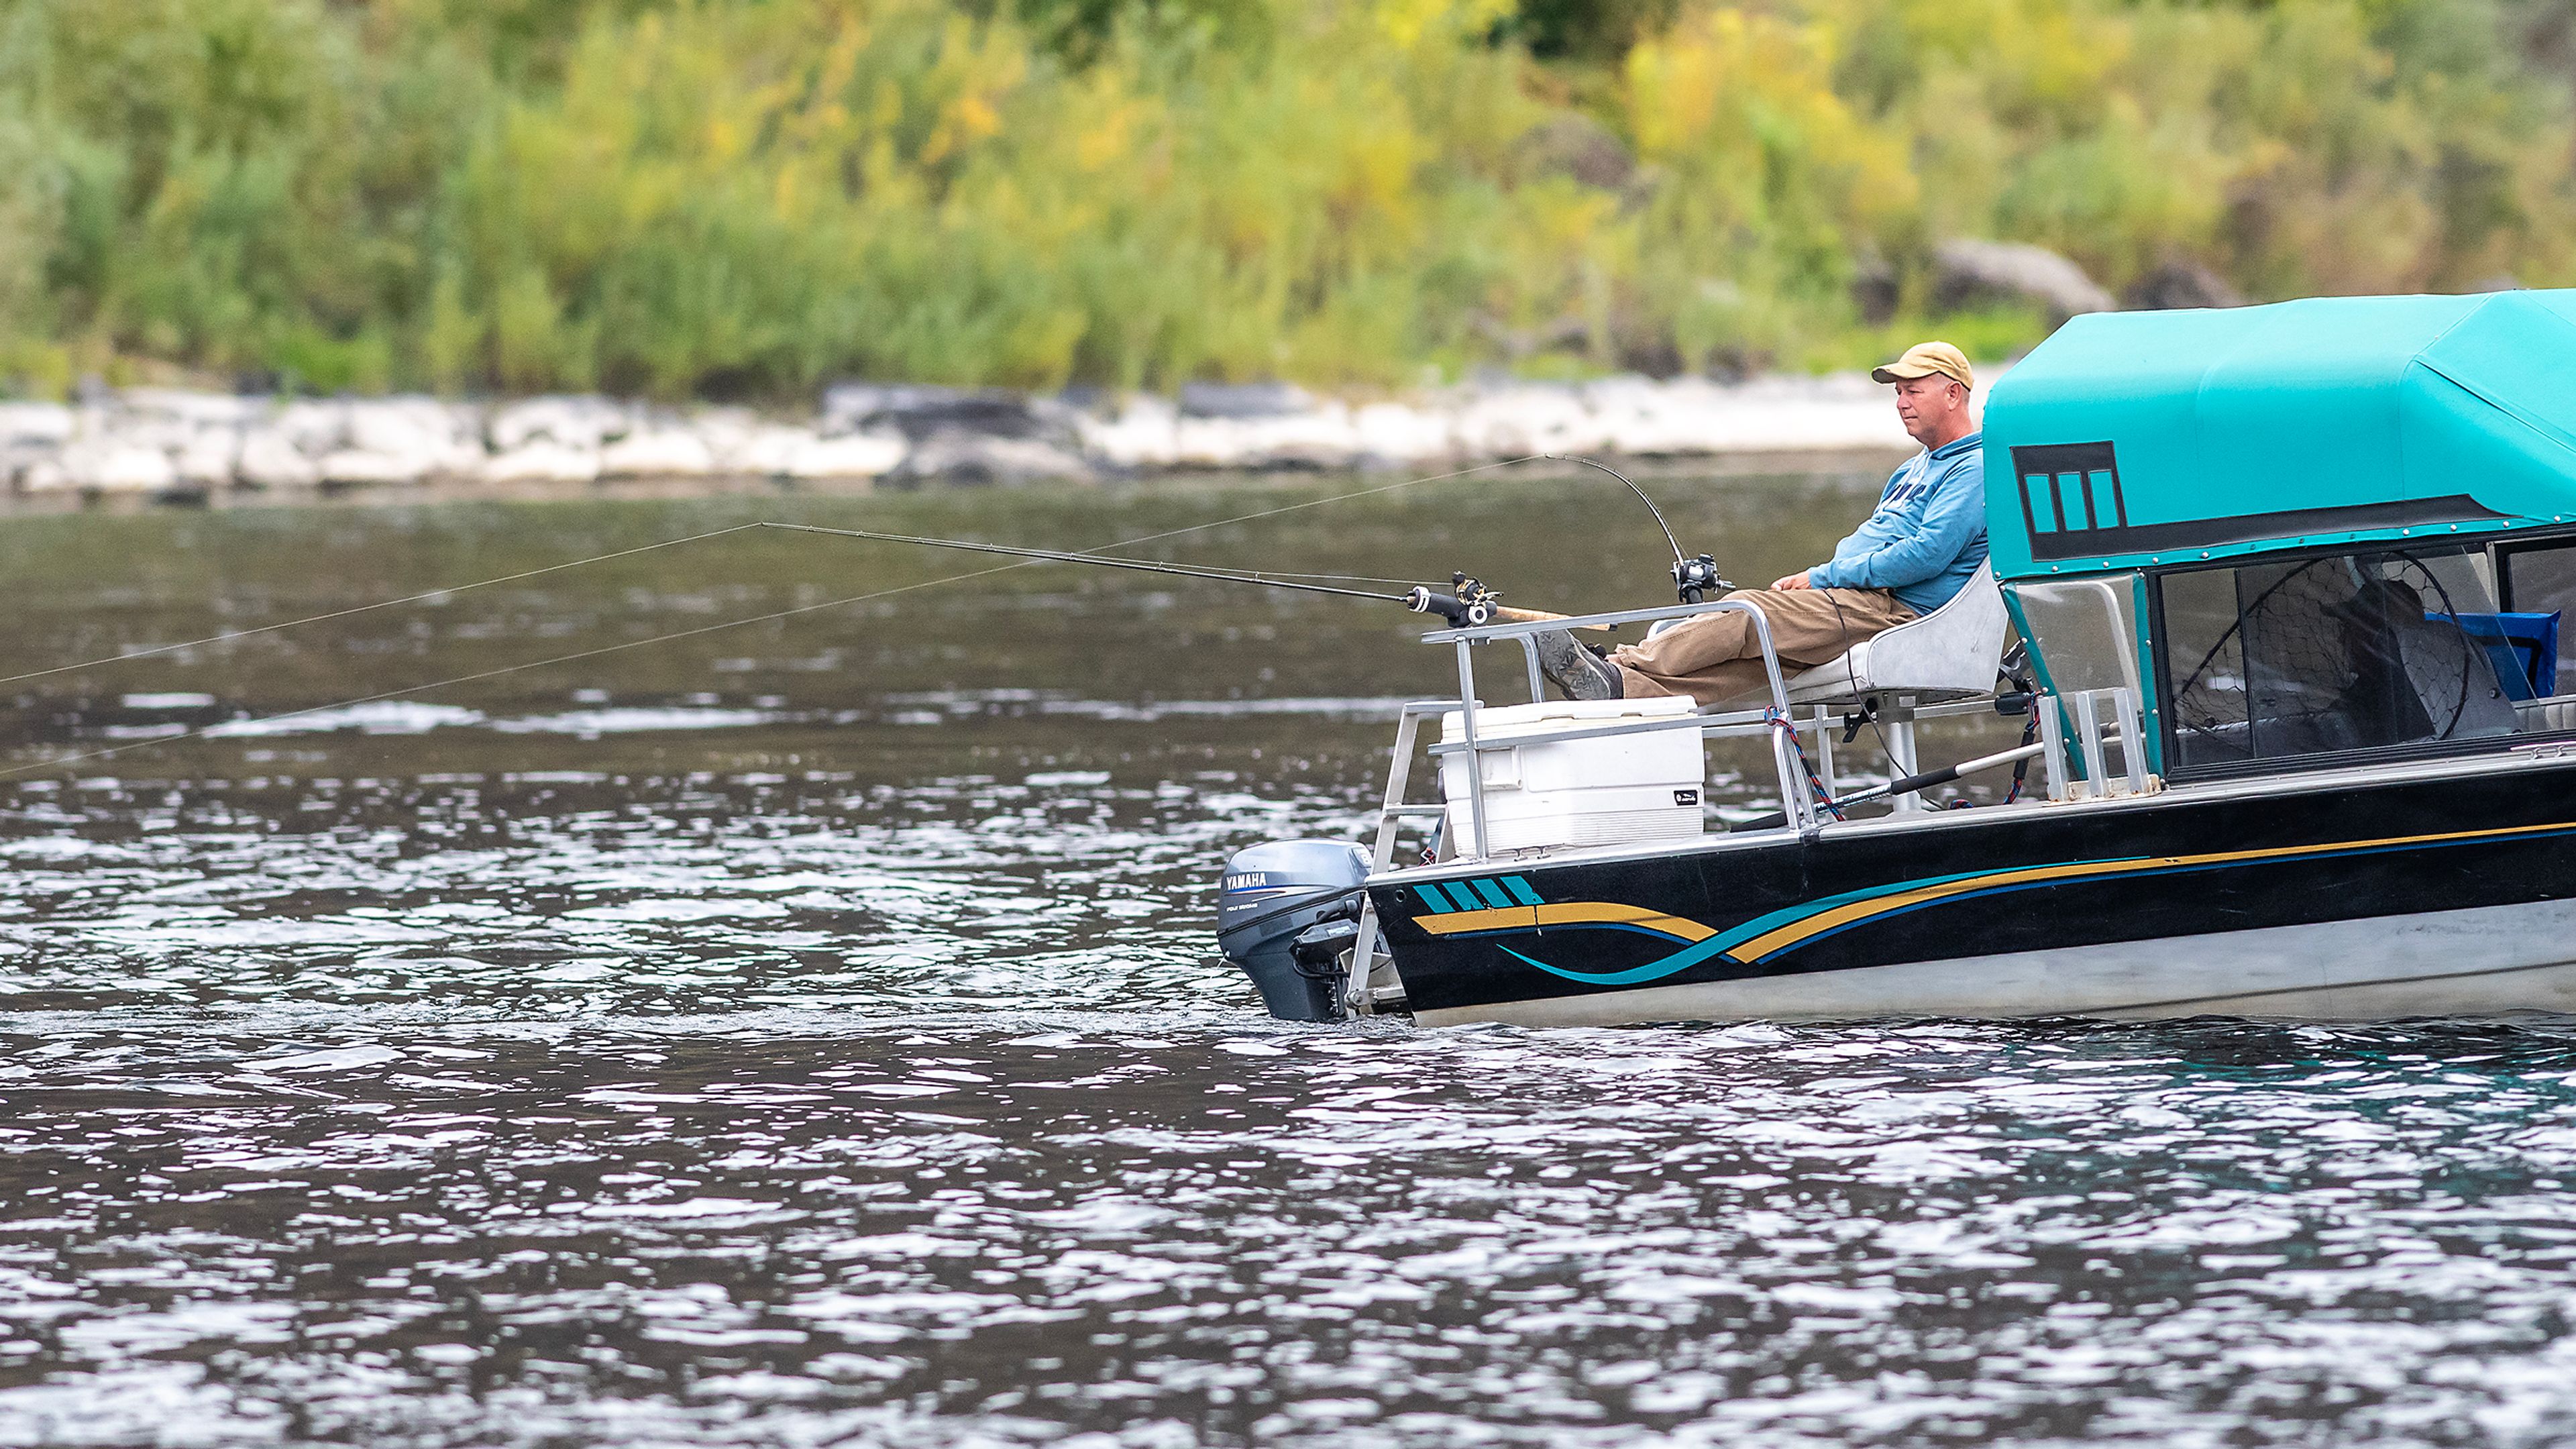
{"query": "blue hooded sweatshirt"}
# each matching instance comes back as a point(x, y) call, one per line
point(1928, 534)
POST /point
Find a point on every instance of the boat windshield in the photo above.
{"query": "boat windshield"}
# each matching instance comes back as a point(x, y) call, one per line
point(2368, 650)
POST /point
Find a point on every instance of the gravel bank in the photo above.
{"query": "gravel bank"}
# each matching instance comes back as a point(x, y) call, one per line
point(176, 446)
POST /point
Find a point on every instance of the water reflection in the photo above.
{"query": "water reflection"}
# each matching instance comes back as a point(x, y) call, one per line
point(852, 1067)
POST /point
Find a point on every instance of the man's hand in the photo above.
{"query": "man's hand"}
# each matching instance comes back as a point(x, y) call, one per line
point(1797, 580)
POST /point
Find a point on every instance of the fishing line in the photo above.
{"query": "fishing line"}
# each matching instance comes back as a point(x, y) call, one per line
point(380, 604)
point(496, 673)
point(701, 537)
point(1633, 488)
point(1267, 578)
point(1057, 555)
point(1337, 578)
point(705, 628)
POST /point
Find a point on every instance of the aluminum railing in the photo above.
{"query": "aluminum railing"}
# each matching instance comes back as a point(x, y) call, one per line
point(2078, 768)
point(1799, 808)
point(1796, 803)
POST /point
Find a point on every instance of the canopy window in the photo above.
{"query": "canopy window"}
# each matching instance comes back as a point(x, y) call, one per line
point(2389, 648)
point(2081, 631)
point(2538, 579)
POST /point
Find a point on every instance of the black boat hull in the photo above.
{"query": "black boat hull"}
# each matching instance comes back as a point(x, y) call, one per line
point(2429, 895)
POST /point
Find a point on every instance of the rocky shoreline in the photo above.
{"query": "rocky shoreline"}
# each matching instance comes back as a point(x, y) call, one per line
point(167, 445)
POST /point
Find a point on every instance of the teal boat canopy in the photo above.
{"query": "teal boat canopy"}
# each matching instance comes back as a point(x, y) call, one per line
point(2132, 439)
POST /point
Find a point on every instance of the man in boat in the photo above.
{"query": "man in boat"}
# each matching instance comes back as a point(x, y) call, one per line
point(1909, 557)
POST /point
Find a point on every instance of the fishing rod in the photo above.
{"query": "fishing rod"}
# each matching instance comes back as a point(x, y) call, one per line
point(1907, 784)
point(1693, 578)
point(1468, 605)
point(691, 633)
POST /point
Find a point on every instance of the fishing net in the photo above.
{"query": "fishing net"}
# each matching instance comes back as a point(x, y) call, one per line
point(2342, 653)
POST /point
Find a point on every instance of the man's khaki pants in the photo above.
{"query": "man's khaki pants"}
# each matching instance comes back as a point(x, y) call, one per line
point(1716, 656)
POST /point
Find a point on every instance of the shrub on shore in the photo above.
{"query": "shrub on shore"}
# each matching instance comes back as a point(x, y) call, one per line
point(745, 197)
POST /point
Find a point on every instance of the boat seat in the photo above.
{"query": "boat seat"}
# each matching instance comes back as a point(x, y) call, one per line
point(2557, 712)
point(1950, 653)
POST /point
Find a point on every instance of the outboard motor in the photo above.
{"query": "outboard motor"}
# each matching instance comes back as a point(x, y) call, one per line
point(1285, 915)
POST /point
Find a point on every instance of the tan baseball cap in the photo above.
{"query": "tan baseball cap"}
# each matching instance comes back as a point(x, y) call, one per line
point(1923, 359)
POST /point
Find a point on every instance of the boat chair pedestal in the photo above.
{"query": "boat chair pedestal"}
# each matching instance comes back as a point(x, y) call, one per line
point(1951, 653)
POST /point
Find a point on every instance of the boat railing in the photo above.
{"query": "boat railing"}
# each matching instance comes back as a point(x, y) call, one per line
point(1780, 722)
point(2078, 737)
point(1797, 804)
point(1820, 723)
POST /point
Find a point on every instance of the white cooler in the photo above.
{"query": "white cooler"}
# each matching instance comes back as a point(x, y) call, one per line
point(1546, 793)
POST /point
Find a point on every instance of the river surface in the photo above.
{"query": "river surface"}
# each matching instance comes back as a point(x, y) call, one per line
point(807, 1033)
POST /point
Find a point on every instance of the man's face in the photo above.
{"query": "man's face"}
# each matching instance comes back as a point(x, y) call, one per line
point(1928, 406)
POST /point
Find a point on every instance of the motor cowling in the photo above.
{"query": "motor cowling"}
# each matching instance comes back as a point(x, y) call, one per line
point(1275, 894)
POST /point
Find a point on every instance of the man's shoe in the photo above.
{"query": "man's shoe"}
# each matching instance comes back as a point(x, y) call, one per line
point(1580, 672)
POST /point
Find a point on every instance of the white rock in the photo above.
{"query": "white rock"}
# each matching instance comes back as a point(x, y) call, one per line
point(1212, 443)
point(314, 428)
point(196, 410)
point(960, 454)
point(1245, 400)
point(542, 462)
point(270, 459)
point(1324, 438)
point(847, 405)
point(1966, 270)
point(35, 422)
point(17, 458)
point(728, 433)
point(1645, 418)
point(769, 450)
point(113, 425)
point(1845, 411)
point(115, 467)
point(151, 439)
point(441, 438)
point(209, 458)
point(1516, 420)
point(853, 455)
point(662, 452)
point(358, 467)
point(1401, 434)
point(1143, 433)
point(582, 422)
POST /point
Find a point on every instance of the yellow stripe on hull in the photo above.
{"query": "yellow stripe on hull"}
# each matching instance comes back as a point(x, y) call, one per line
point(1834, 917)
point(1565, 913)
point(1811, 926)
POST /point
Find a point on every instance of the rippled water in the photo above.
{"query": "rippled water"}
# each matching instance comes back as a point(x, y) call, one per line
point(808, 1034)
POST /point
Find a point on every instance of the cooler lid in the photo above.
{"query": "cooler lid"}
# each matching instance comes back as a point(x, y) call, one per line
point(1555, 716)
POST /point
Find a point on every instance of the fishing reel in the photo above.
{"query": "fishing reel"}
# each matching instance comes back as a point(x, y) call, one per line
point(1697, 578)
point(1468, 605)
